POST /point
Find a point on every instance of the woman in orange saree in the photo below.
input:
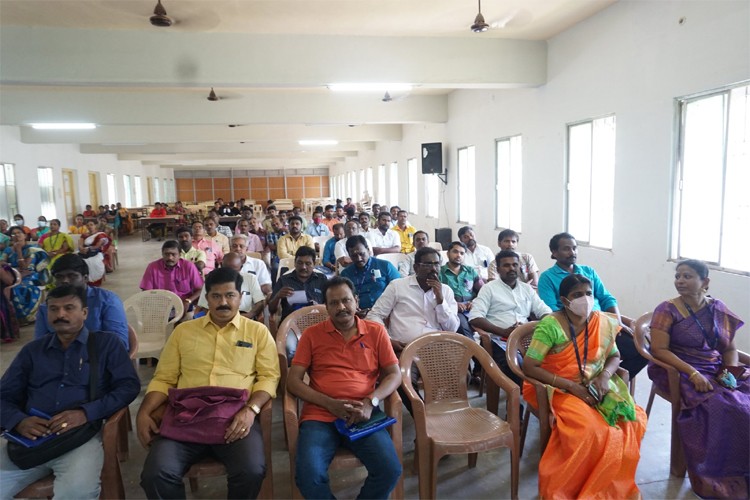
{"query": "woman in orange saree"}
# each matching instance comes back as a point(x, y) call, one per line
point(594, 447)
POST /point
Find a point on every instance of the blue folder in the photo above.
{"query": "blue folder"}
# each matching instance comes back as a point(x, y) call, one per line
point(378, 420)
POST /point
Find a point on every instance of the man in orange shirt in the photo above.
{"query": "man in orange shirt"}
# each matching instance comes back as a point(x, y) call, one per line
point(344, 357)
point(158, 229)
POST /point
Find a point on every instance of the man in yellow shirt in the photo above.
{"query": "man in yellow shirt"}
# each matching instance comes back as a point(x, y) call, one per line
point(288, 244)
point(222, 349)
point(405, 231)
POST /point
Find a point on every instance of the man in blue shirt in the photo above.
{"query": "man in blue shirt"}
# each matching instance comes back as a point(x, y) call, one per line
point(105, 310)
point(565, 251)
point(369, 275)
point(329, 254)
point(317, 228)
point(51, 375)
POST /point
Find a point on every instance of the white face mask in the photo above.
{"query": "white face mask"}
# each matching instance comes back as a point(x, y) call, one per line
point(18, 222)
point(582, 306)
point(42, 223)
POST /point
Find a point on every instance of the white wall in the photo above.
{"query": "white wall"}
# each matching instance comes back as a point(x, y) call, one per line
point(27, 157)
point(632, 59)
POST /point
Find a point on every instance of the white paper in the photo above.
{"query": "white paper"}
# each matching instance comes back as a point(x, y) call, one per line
point(298, 297)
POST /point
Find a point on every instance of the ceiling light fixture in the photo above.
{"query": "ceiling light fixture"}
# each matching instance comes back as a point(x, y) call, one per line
point(479, 26)
point(370, 87)
point(387, 97)
point(160, 17)
point(63, 126)
point(212, 96)
point(317, 142)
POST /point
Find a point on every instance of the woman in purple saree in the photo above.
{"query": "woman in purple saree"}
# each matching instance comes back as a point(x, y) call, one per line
point(694, 333)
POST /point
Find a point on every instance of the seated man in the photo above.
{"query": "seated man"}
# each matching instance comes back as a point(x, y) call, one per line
point(51, 375)
point(465, 283)
point(406, 268)
point(252, 301)
point(364, 223)
point(252, 265)
point(382, 239)
point(477, 256)
point(298, 288)
point(211, 227)
point(342, 386)
point(405, 231)
point(188, 251)
point(565, 252)
point(329, 250)
point(288, 244)
point(222, 349)
point(105, 312)
point(213, 250)
point(503, 304)
point(529, 271)
point(174, 274)
point(370, 276)
point(351, 228)
point(221, 229)
point(253, 240)
point(329, 220)
point(158, 229)
point(317, 228)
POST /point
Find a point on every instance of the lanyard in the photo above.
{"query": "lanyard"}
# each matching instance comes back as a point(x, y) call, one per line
point(712, 343)
point(581, 366)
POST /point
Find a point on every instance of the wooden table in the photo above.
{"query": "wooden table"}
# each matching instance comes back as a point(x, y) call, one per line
point(143, 222)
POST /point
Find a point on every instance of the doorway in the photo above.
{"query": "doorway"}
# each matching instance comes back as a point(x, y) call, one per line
point(69, 195)
point(94, 190)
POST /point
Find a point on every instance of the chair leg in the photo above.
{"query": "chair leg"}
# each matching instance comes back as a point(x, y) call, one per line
point(677, 465)
point(193, 485)
point(524, 428)
point(650, 400)
point(473, 460)
point(632, 387)
point(515, 459)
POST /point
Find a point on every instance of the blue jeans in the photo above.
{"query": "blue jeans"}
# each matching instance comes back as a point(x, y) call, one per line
point(316, 446)
point(77, 473)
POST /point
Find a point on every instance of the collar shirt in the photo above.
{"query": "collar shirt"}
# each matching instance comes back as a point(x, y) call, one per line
point(253, 242)
point(329, 223)
point(213, 251)
point(342, 369)
point(462, 283)
point(258, 268)
point(372, 280)
point(414, 312)
point(220, 240)
point(287, 246)
point(329, 251)
point(549, 287)
point(47, 378)
point(225, 230)
point(340, 249)
point(193, 255)
point(406, 237)
point(480, 257)
point(317, 229)
point(106, 314)
point(406, 266)
point(183, 279)
point(379, 240)
point(503, 306)
point(527, 265)
point(241, 355)
point(312, 288)
point(157, 212)
point(251, 293)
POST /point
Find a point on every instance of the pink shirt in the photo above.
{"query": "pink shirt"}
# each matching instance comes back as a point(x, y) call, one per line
point(182, 280)
point(213, 253)
point(253, 243)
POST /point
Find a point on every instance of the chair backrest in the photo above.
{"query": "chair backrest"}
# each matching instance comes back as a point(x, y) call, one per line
point(443, 256)
point(295, 324)
point(393, 258)
point(133, 342)
point(255, 255)
point(153, 309)
point(436, 245)
point(285, 265)
point(518, 343)
point(642, 335)
point(321, 241)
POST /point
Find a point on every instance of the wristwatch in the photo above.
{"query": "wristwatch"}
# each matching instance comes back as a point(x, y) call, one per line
point(254, 408)
point(375, 401)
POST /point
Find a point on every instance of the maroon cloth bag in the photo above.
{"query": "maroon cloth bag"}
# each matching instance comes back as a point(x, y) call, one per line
point(201, 414)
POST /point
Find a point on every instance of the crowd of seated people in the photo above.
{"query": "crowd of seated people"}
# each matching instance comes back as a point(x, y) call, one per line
point(376, 270)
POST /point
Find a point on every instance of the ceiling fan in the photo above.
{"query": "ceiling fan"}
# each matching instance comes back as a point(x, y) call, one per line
point(479, 26)
point(160, 17)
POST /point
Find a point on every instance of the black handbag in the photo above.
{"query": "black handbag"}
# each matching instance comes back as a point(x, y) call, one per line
point(28, 458)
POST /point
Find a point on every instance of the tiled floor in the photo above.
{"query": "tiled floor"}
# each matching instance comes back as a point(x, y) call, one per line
point(490, 479)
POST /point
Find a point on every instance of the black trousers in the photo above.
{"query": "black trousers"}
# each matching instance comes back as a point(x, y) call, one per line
point(629, 357)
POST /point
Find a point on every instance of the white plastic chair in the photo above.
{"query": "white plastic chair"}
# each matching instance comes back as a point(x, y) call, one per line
point(286, 263)
point(153, 309)
point(393, 258)
point(436, 245)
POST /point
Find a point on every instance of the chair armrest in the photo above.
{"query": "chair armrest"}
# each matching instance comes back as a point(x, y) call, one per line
point(502, 381)
point(291, 421)
point(743, 357)
point(112, 485)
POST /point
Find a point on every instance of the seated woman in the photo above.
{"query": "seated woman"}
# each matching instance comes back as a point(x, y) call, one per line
point(125, 224)
point(103, 225)
point(694, 333)
point(93, 247)
point(42, 228)
point(9, 330)
point(594, 446)
point(32, 263)
point(56, 243)
point(78, 227)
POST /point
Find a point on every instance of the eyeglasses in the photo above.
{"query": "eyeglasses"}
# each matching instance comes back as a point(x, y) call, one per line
point(429, 264)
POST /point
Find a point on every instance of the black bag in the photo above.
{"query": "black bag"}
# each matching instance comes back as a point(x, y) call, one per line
point(28, 458)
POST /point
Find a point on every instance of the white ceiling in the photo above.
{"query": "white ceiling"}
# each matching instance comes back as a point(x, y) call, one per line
point(269, 61)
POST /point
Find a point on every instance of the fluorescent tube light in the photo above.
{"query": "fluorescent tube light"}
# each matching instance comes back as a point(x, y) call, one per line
point(63, 126)
point(317, 142)
point(370, 87)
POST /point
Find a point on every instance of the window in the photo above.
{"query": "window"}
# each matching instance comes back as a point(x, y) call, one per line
point(362, 186)
point(47, 192)
point(169, 195)
point(157, 194)
point(411, 167)
point(431, 194)
point(393, 191)
point(111, 189)
point(381, 198)
point(712, 210)
point(368, 182)
point(351, 189)
point(8, 199)
point(138, 190)
point(128, 191)
point(591, 181)
point(508, 167)
point(467, 188)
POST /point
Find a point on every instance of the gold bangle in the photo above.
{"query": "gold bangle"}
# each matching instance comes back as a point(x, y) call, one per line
point(695, 372)
point(608, 372)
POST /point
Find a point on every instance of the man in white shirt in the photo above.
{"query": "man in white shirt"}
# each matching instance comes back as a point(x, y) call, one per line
point(351, 228)
point(252, 301)
point(251, 265)
point(504, 304)
point(383, 239)
point(478, 256)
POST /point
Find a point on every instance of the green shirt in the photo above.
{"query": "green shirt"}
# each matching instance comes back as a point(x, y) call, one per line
point(462, 283)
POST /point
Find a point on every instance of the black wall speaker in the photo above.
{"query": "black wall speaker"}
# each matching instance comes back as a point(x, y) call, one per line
point(432, 158)
point(444, 236)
